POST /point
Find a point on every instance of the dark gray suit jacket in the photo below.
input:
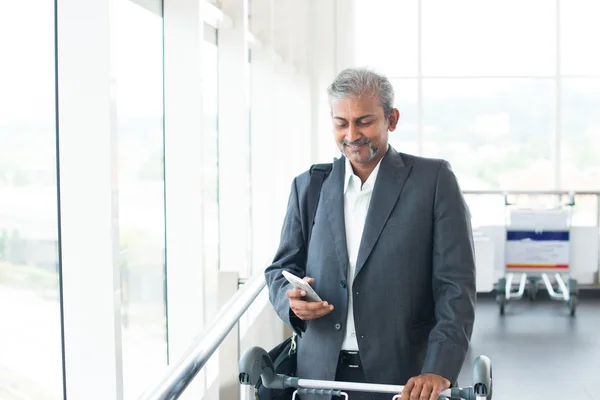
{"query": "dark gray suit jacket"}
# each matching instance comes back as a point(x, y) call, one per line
point(414, 288)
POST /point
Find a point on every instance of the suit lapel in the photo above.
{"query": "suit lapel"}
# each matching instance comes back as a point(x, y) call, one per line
point(388, 186)
point(333, 206)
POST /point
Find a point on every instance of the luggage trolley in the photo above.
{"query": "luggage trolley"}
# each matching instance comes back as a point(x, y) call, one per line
point(256, 366)
point(538, 243)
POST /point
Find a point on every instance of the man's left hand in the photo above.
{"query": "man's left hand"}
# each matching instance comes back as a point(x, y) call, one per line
point(425, 387)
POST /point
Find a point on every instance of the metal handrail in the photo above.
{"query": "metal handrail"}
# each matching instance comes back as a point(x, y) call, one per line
point(181, 373)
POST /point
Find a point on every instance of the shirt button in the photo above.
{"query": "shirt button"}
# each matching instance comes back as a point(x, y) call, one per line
point(337, 326)
point(343, 284)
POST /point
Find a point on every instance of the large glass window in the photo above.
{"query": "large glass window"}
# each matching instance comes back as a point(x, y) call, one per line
point(511, 105)
point(139, 78)
point(580, 134)
point(210, 173)
point(405, 138)
point(210, 177)
point(497, 133)
point(483, 38)
point(580, 147)
point(386, 36)
point(30, 333)
point(579, 33)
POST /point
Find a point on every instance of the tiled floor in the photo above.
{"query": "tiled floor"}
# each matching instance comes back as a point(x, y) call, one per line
point(537, 350)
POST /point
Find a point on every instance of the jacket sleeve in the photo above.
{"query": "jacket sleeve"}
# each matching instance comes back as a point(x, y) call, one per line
point(453, 279)
point(290, 256)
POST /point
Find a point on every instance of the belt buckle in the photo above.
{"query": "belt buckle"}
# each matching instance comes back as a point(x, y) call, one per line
point(346, 359)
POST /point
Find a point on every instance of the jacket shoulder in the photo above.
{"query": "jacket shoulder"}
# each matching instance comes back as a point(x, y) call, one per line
point(423, 164)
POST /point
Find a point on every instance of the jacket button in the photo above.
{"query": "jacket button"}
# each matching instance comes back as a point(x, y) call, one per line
point(343, 284)
point(337, 326)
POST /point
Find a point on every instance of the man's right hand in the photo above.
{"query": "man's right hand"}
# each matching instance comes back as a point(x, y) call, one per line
point(306, 310)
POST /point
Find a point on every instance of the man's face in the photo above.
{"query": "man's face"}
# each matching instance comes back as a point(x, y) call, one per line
point(360, 128)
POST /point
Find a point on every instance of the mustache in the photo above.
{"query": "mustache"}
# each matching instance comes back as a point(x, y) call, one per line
point(358, 142)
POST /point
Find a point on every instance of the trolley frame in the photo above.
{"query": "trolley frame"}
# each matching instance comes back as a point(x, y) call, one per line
point(255, 366)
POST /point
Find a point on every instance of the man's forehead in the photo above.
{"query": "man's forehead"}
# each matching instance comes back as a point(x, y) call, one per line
point(355, 108)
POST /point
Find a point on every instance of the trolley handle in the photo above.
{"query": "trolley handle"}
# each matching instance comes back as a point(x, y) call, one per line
point(570, 202)
point(320, 392)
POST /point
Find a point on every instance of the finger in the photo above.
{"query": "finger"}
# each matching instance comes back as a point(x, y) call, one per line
point(407, 389)
point(311, 305)
point(415, 394)
point(310, 310)
point(435, 394)
point(303, 306)
point(308, 315)
point(295, 293)
point(309, 280)
point(323, 311)
point(318, 309)
point(426, 392)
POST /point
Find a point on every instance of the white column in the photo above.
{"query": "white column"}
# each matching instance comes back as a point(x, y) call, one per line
point(262, 87)
point(183, 35)
point(234, 149)
point(322, 72)
point(87, 158)
point(345, 34)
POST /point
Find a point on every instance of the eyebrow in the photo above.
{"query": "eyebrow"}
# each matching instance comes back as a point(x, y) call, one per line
point(357, 119)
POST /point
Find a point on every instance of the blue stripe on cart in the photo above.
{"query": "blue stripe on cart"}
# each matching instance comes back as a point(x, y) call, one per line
point(541, 236)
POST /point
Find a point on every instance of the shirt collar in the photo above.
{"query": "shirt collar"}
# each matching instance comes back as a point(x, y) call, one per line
point(350, 176)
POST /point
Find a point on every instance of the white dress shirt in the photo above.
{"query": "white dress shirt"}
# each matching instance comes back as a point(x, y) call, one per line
point(357, 197)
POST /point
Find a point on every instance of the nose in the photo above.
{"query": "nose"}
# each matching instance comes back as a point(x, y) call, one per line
point(352, 134)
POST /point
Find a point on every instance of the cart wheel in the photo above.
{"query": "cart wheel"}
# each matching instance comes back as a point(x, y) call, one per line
point(502, 302)
point(501, 294)
point(573, 304)
point(532, 291)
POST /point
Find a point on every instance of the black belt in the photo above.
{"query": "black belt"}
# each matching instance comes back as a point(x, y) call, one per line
point(350, 358)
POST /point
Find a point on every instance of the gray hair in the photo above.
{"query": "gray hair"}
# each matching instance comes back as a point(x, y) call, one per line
point(361, 83)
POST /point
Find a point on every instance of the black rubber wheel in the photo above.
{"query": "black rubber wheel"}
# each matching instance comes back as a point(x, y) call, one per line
point(501, 294)
point(532, 291)
point(573, 300)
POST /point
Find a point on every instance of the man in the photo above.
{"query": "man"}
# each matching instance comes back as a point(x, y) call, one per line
point(391, 255)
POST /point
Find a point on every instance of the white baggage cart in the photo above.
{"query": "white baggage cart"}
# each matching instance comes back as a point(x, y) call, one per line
point(538, 245)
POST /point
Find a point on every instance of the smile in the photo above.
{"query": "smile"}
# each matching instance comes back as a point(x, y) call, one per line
point(354, 146)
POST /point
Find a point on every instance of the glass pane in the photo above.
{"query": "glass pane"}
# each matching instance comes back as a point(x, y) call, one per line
point(404, 139)
point(141, 194)
point(580, 130)
point(386, 36)
point(579, 33)
point(496, 133)
point(210, 101)
point(497, 38)
point(486, 210)
point(30, 333)
point(586, 211)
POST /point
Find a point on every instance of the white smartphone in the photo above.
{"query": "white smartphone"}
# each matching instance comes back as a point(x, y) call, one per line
point(301, 284)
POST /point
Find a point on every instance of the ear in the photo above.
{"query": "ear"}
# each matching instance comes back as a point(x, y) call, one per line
point(393, 120)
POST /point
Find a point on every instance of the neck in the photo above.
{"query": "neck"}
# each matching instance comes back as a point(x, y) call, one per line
point(363, 171)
